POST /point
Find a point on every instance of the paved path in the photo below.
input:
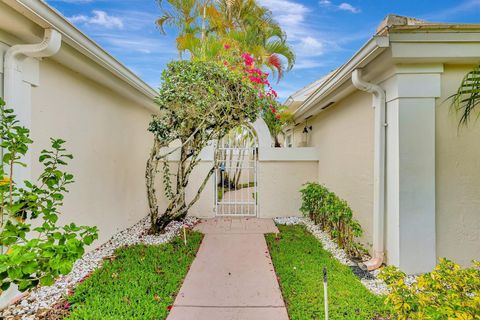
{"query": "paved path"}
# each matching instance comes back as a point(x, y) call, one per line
point(244, 195)
point(232, 277)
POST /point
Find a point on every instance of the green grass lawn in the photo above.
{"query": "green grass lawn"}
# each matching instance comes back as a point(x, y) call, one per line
point(299, 259)
point(141, 283)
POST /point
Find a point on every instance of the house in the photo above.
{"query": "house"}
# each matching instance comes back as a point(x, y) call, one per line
point(409, 174)
point(390, 145)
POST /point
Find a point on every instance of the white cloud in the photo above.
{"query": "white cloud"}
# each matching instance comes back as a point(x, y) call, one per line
point(310, 46)
point(348, 7)
point(344, 6)
point(290, 15)
point(137, 43)
point(303, 34)
point(99, 18)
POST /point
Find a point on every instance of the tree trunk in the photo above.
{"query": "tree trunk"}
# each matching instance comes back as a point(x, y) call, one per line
point(150, 173)
point(177, 208)
point(277, 143)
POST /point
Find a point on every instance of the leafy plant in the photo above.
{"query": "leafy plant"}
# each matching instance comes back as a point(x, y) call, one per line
point(199, 102)
point(448, 292)
point(276, 119)
point(467, 98)
point(333, 215)
point(35, 255)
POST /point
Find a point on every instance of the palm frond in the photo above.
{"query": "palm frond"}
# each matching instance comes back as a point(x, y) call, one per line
point(275, 63)
point(283, 49)
point(467, 98)
point(162, 21)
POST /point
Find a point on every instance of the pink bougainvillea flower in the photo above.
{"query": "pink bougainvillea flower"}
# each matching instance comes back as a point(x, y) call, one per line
point(256, 79)
point(247, 59)
point(256, 71)
point(277, 117)
point(226, 46)
point(274, 93)
point(66, 306)
point(273, 109)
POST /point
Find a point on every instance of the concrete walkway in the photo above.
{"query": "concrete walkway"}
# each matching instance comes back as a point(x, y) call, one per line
point(232, 277)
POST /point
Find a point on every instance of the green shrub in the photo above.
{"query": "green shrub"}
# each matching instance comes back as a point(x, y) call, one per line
point(34, 254)
point(448, 292)
point(333, 215)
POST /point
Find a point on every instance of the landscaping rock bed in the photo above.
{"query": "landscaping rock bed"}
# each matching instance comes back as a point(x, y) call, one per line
point(369, 279)
point(35, 303)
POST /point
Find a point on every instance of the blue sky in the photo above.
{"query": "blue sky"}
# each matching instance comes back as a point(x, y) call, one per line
point(323, 33)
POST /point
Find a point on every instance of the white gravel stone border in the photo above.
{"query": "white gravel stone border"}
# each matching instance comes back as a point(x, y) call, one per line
point(45, 297)
point(374, 284)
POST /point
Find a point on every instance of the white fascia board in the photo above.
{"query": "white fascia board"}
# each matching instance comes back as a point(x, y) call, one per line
point(367, 53)
point(457, 47)
point(47, 17)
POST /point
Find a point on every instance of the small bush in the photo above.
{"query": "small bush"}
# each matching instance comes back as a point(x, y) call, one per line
point(448, 292)
point(333, 215)
point(35, 249)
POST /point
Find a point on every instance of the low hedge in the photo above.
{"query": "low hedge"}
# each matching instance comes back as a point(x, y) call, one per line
point(333, 215)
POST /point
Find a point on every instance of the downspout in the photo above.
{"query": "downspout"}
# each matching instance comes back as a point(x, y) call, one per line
point(49, 46)
point(379, 104)
point(13, 59)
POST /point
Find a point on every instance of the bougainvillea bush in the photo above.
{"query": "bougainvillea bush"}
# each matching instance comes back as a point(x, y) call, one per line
point(448, 292)
point(199, 102)
point(35, 250)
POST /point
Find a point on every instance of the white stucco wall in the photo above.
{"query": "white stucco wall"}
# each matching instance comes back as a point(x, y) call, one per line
point(279, 184)
point(457, 176)
point(281, 172)
point(107, 136)
point(343, 135)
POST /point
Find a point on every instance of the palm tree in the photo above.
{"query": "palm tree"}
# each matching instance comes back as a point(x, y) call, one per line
point(205, 26)
point(467, 99)
point(252, 29)
point(182, 15)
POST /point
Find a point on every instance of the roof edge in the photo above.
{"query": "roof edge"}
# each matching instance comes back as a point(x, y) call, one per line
point(367, 53)
point(44, 15)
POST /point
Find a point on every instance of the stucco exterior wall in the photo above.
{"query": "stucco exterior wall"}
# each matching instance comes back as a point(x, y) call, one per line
point(343, 135)
point(107, 136)
point(279, 184)
point(204, 207)
point(457, 177)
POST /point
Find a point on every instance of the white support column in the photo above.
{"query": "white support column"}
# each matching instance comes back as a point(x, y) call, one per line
point(410, 175)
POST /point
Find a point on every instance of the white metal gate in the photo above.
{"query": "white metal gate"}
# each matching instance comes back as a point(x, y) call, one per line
point(236, 177)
